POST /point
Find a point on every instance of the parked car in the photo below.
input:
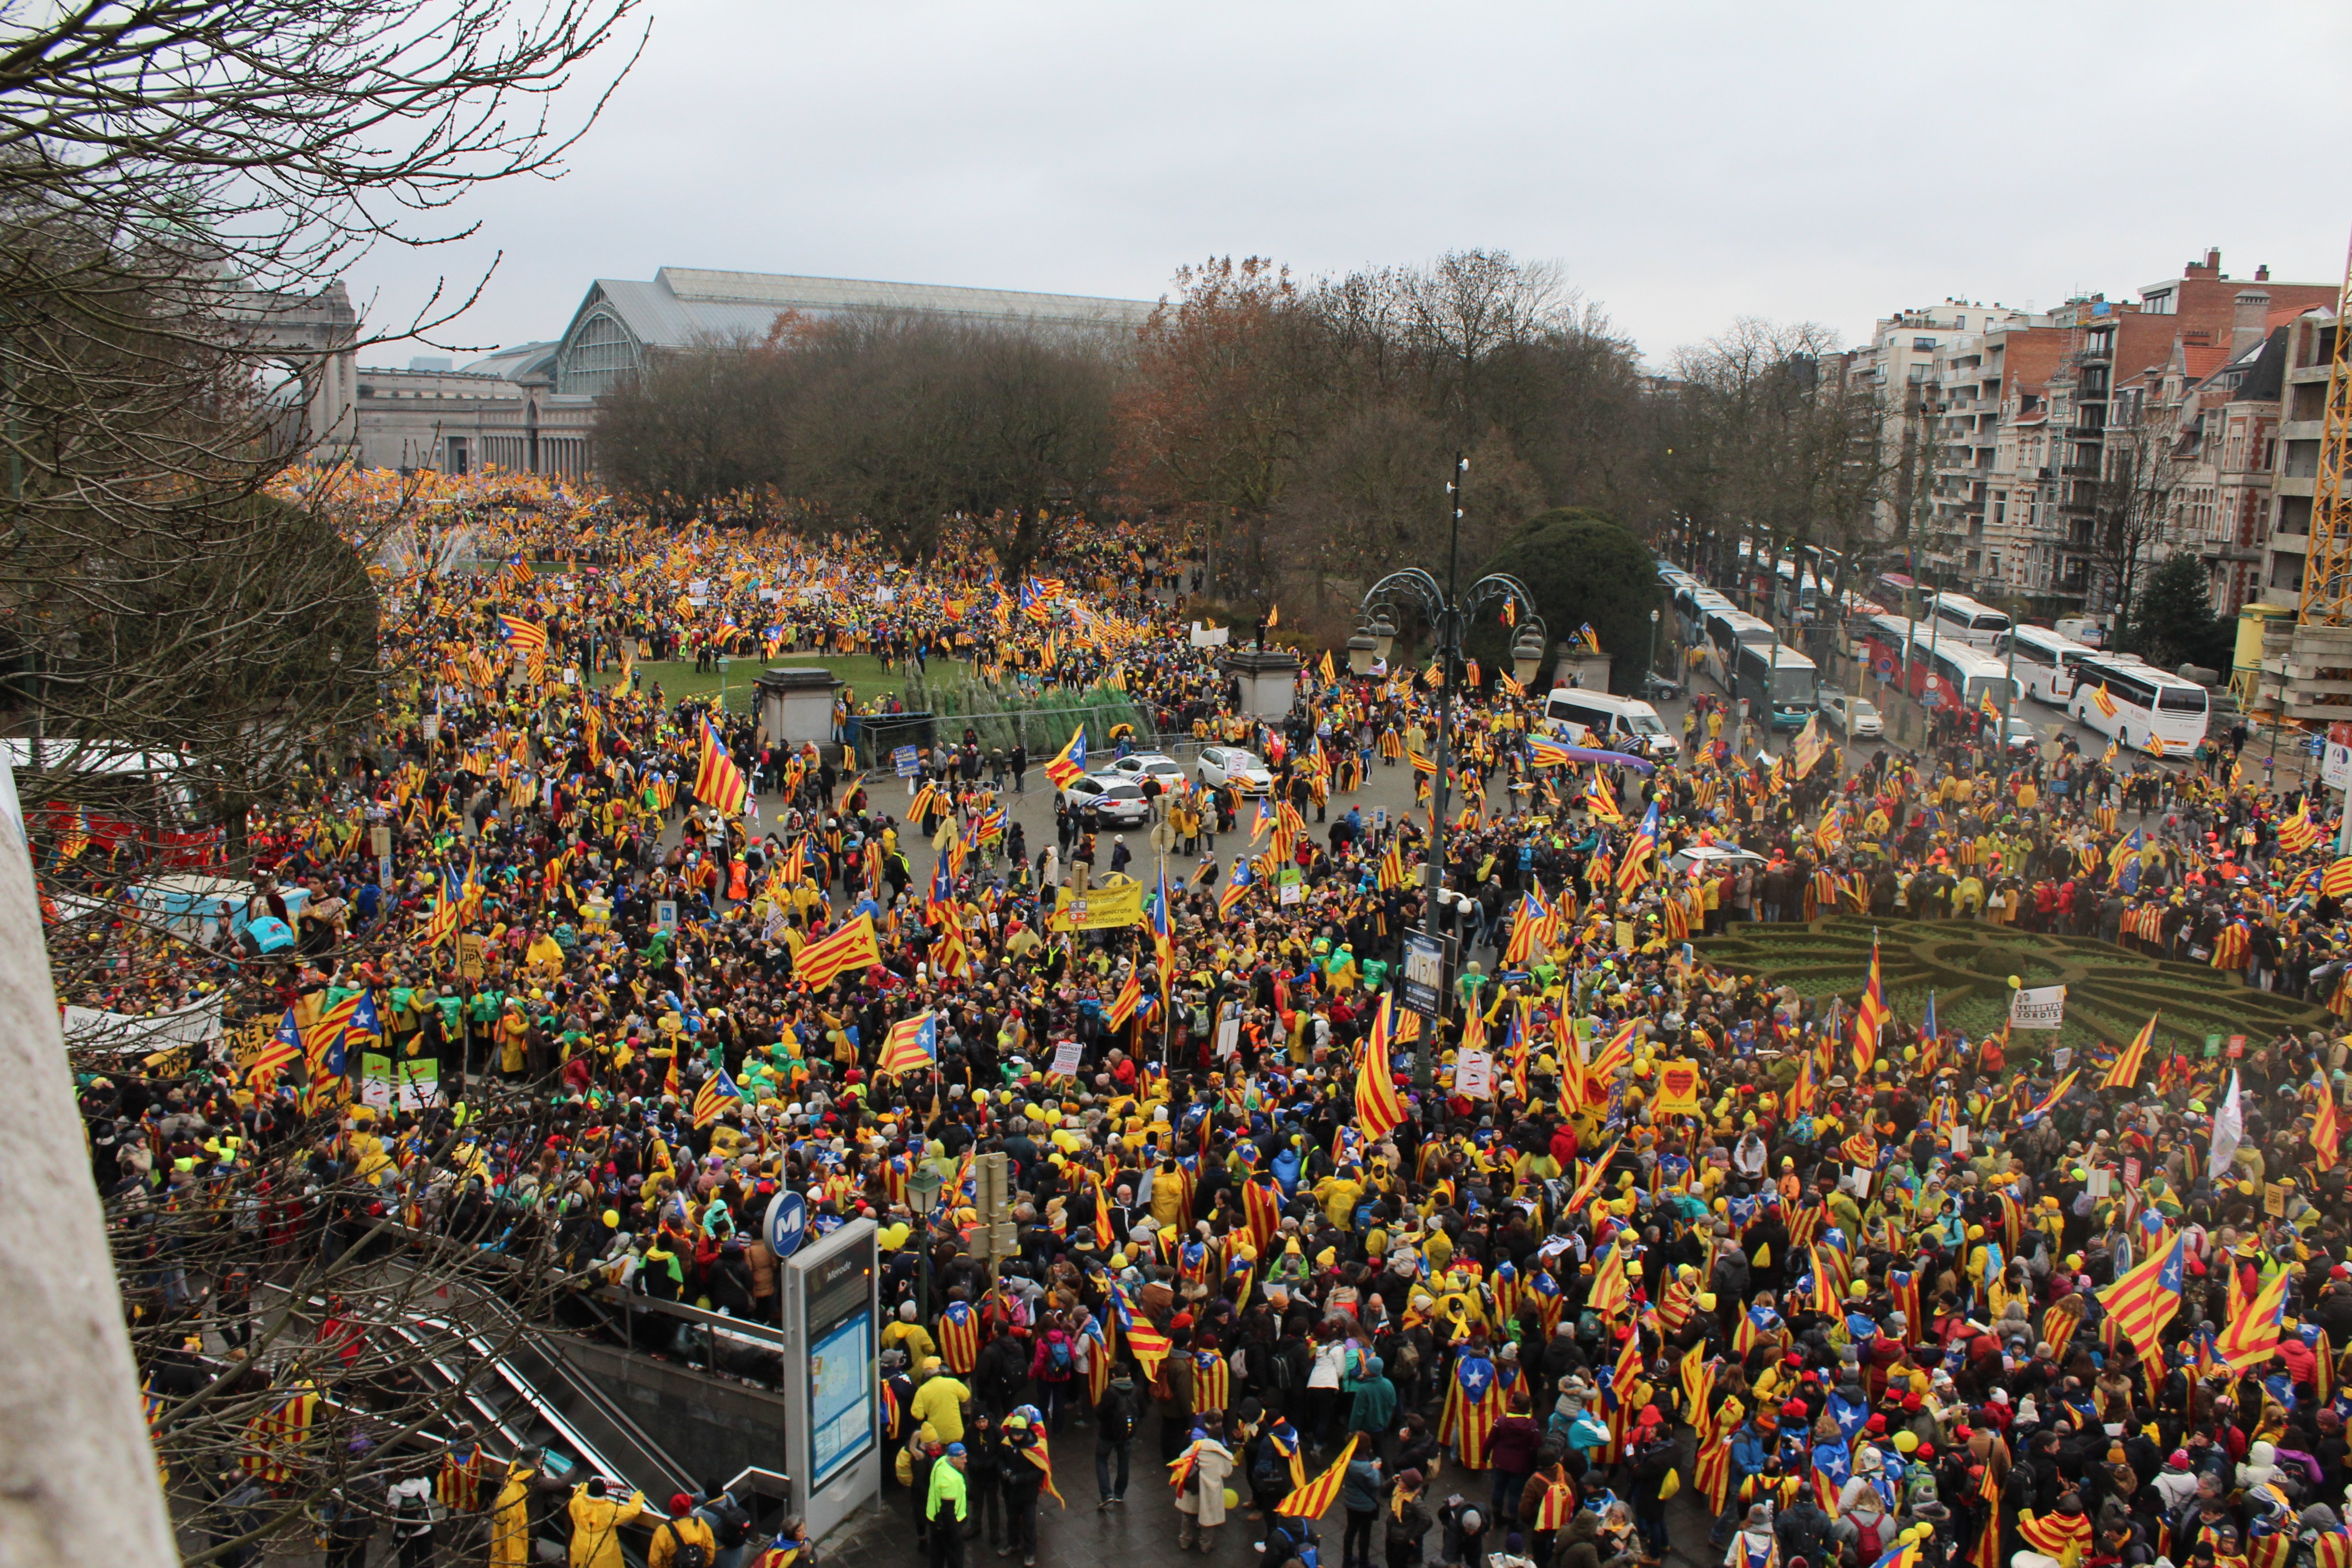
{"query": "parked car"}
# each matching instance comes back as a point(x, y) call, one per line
point(2023, 739)
point(1230, 765)
point(1108, 800)
point(1853, 717)
point(1141, 766)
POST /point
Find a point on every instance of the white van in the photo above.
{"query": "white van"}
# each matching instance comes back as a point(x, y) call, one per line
point(1616, 723)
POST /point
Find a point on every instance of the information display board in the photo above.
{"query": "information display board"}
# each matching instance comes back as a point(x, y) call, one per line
point(833, 1437)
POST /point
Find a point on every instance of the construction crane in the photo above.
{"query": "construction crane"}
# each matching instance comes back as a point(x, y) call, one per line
point(2327, 569)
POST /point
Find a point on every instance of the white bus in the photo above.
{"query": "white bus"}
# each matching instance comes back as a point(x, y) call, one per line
point(2045, 662)
point(1692, 604)
point(1944, 673)
point(1978, 624)
point(1780, 684)
point(2138, 705)
point(1725, 630)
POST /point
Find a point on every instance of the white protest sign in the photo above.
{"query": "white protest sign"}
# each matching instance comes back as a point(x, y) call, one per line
point(1066, 1055)
point(1473, 1075)
point(2037, 1007)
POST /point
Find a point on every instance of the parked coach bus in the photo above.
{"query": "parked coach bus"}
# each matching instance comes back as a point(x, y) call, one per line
point(1777, 681)
point(1959, 616)
point(2141, 706)
point(1726, 631)
point(2045, 662)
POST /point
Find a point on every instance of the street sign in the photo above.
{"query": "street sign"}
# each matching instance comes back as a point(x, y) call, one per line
point(786, 1225)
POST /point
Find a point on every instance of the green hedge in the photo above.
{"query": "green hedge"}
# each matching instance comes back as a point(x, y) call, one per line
point(1966, 964)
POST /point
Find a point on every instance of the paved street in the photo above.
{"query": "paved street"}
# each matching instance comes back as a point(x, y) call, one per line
point(1142, 1532)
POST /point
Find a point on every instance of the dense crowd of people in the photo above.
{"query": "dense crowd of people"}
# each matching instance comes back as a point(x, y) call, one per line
point(1463, 1275)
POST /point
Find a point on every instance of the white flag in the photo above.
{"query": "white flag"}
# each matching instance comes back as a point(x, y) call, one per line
point(2228, 1129)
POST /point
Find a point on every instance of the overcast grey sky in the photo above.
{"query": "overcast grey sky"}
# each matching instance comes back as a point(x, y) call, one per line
point(1686, 160)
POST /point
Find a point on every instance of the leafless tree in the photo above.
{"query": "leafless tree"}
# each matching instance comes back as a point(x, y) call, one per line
point(175, 176)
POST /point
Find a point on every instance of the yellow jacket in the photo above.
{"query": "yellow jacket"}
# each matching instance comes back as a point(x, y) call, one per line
point(511, 1520)
point(595, 1528)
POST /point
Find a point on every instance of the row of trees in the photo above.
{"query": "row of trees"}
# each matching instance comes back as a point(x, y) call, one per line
point(1304, 431)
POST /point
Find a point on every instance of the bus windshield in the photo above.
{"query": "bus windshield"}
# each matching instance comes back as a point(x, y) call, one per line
point(1794, 685)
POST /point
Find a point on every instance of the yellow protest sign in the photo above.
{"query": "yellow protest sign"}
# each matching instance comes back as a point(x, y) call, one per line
point(1115, 900)
point(1678, 1089)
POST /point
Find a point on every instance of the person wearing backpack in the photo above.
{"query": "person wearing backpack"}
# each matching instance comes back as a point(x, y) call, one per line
point(730, 1525)
point(1115, 1421)
point(412, 1521)
point(683, 1540)
point(1054, 1367)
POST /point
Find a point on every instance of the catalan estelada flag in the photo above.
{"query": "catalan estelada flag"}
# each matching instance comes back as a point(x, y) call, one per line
point(2144, 1299)
point(1543, 752)
point(851, 947)
point(1070, 762)
point(2103, 702)
point(1635, 869)
point(912, 1046)
point(712, 1100)
point(2253, 1335)
point(528, 636)
point(719, 782)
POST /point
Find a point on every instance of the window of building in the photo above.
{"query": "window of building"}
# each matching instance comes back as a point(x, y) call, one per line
point(1923, 345)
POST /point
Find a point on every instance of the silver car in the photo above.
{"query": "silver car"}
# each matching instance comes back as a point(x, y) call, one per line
point(1108, 800)
point(1855, 717)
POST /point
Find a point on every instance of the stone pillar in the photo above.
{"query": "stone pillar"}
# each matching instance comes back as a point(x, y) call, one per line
point(1268, 679)
point(796, 705)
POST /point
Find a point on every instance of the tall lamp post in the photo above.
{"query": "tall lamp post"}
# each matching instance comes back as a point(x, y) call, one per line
point(1650, 670)
point(1450, 611)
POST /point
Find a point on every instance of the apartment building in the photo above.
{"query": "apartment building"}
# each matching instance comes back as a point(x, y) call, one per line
point(2307, 351)
point(1992, 490)
point(2115, 403)
point(1898, 365)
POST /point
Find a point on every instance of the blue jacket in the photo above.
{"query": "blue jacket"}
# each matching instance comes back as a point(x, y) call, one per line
point(1359, 1489)
point(1748, 1452)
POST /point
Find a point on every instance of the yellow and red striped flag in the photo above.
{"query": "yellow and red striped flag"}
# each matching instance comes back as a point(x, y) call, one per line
point(2124, 1074)
point(2253, 1335)
point(719, 782)
point(1314, 1500)
point(851, 947)
point(1378, 1108)
point(2146, 1299)
point(2326, 1131)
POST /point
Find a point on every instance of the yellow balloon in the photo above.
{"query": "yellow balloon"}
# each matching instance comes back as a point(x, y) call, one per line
point(1232, 1498)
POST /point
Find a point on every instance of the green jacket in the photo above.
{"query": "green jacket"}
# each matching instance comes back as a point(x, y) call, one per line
point(947, 1486)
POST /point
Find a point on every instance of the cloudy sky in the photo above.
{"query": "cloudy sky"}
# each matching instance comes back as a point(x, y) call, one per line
point(1685, 162)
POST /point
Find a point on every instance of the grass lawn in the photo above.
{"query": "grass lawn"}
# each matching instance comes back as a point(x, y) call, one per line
point(863, 672)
